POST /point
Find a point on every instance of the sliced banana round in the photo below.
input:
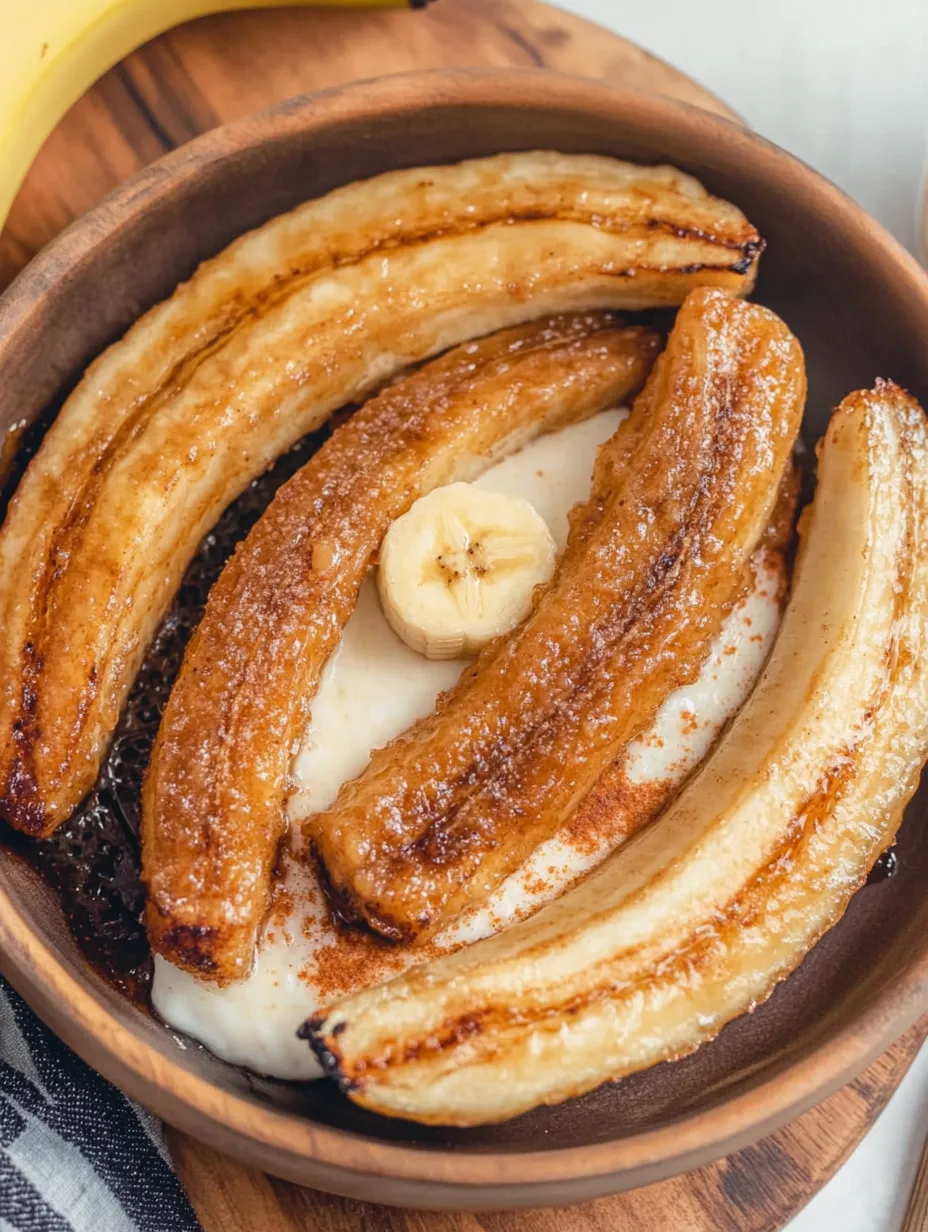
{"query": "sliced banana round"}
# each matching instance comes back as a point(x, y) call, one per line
point(459, 568)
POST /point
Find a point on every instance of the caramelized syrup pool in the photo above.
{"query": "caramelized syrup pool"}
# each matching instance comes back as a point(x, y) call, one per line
point(885, 867)
point(93, 861)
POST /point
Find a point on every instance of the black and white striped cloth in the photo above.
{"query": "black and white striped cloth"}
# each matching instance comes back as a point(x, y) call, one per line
point(75, 1154)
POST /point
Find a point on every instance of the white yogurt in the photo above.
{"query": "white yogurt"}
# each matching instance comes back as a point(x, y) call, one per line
point(372, 689)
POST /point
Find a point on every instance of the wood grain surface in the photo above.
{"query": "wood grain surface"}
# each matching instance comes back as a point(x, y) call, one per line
point(213, 70)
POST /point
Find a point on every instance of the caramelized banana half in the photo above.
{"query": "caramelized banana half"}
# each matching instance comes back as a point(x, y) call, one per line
point(682, 495)
point(215, 793)
point(694, 921)
point(315, 309)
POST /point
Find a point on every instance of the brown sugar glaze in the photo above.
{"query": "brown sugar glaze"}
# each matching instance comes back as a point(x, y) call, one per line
point(212, 815)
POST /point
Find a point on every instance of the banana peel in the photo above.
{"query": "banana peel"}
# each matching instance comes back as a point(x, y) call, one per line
point(52, 51)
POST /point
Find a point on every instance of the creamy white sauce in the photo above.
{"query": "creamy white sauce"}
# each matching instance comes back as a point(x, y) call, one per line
point(372, 689)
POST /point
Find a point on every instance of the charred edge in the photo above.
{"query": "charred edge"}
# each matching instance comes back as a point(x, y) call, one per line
point(327, 1055)
point(739, 267)
point(752, 251)
point(348, 910)
point(191, 945)
point(450, 1036)
point(20, 806)
point(750, 248)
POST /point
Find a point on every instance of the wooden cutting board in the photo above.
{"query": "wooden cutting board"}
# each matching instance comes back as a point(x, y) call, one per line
point(213, 70)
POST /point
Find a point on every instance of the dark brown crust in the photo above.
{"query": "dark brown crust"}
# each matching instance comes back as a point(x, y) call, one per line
point(214, 795)
point(448, 810)
point(194, 945)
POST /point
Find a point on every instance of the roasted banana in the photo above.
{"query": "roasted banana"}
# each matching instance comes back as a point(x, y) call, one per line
point(215, 794)
point(314, 309)
point(443, 814)
point(695, 920)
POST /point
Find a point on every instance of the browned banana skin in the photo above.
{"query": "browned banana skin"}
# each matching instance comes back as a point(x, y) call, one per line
point(440, 816)
point(214, 798)
point(315, 309)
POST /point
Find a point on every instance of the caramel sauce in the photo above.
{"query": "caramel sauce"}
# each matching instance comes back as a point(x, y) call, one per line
point(886, 866)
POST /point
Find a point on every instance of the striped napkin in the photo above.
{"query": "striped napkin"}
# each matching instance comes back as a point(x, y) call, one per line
point(75, 1154)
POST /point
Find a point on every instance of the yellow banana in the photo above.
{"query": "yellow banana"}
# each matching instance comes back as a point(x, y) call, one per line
point(51, 51)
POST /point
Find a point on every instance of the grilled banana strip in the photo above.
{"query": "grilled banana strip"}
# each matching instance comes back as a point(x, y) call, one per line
point(214, 798)
point(695, 920)
point(314, 309)
point(443, 814)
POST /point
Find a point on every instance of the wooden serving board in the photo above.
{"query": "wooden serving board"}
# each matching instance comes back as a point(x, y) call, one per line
point(210, 71)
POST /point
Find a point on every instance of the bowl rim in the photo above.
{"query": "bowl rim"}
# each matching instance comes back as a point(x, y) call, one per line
point(290, 1143)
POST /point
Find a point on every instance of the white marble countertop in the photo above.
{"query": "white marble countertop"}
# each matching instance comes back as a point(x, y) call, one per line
point(843, 84)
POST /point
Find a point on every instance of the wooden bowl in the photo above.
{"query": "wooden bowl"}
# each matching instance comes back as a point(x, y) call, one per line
point(860, 306)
